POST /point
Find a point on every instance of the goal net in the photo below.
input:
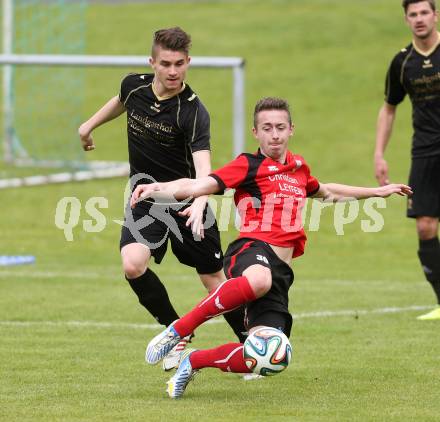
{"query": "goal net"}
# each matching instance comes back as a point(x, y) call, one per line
point(45, 107)
point(41, 104)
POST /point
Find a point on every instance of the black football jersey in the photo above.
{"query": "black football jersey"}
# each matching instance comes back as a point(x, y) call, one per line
point(163, 133)
point(417, 74)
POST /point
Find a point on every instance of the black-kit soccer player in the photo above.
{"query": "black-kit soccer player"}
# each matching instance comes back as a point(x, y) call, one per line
point(168, 130)
point(271, 186)
point(415, 71)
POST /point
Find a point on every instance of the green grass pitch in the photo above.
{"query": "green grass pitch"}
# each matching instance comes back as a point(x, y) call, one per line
point(72, 333)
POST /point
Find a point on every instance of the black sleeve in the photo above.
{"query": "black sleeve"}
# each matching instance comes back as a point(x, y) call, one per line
point(127, 85)
point(394, 90)
point(199, 127)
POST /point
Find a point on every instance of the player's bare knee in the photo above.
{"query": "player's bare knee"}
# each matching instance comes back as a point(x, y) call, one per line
point(260, 279)
point(427, 227)
point(133, 269)
point(262, 285)
point(135, 258)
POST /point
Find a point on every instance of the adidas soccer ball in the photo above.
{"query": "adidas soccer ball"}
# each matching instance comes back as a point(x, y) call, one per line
point(267, 351)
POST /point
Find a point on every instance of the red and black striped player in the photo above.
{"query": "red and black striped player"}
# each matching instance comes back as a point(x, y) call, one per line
point(270, 189)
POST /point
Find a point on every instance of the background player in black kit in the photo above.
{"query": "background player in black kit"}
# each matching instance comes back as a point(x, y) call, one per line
point(168, 131)
point(415, 71)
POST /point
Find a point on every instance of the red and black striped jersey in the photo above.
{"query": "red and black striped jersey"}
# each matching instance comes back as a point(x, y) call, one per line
point(269, 197)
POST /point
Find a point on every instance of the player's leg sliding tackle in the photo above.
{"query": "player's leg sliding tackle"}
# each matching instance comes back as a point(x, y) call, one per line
point(229, 295)
point(234, 318)
point(227, 358)
point(153, 296)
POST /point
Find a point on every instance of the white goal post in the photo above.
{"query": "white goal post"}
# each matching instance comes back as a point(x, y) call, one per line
point(7, 60)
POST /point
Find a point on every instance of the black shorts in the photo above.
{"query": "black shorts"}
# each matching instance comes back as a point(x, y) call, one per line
point(424, 179)
point(154, 224)
point(272, 309)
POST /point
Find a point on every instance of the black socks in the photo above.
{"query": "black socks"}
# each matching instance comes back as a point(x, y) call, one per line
point(429, 255)
point(154, 297)
point(235, 319)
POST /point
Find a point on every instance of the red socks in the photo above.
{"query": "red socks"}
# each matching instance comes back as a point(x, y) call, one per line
point(229, 295)
point(228, 358)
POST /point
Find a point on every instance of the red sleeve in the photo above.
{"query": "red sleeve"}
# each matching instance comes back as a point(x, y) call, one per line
point(232, 174)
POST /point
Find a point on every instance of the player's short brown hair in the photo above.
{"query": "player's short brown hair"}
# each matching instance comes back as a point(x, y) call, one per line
point(271, 103)
point(174, 39)
point(406, 3)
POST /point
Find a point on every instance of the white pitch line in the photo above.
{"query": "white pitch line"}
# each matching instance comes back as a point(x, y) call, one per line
point(353, 312)
point(305, 315)
point(117, 273)
point(52, 274)
point(82, 275)
point(89, 324)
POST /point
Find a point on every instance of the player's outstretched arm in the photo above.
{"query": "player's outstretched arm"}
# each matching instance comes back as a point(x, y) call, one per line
point(332, 192)
point(194, 213)
point(112, 109)
point(177, 189)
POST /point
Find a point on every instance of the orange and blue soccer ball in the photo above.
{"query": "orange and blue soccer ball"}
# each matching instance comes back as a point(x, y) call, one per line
point(267, 351)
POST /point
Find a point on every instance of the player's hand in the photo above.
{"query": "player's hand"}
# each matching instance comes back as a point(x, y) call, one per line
point(86, 138)
point(381, 171)
point(195, 216)
point(397, 188)
point(142, 192)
